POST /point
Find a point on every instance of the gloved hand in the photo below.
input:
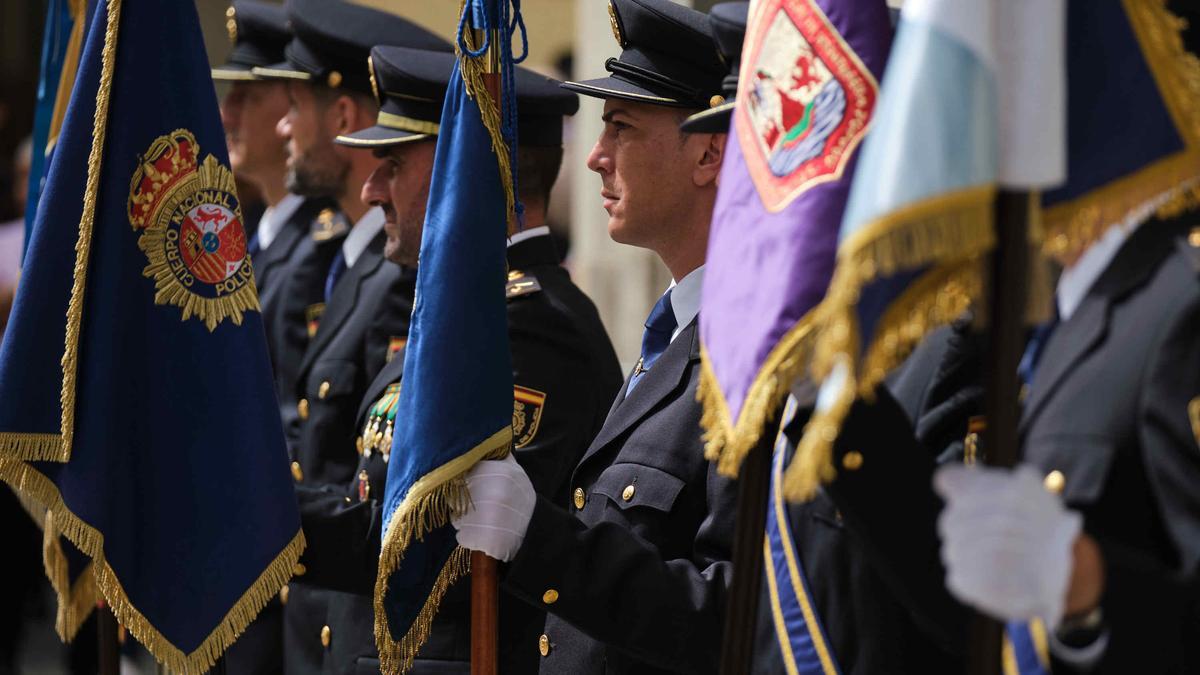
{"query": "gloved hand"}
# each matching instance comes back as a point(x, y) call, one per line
point(1006, 542)
point(502, 500)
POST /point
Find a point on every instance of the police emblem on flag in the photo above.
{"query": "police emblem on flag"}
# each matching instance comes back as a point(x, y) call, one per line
point(808, 101)
point(527, 414)
point(192, 234)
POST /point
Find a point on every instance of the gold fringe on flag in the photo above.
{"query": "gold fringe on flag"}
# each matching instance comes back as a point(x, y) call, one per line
point(429, 504)
point(33, 485)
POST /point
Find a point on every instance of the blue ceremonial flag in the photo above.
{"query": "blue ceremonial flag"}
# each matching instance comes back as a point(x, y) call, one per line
point(139, 416)
point(61, 42)
point(972, 100)
point(455, 405)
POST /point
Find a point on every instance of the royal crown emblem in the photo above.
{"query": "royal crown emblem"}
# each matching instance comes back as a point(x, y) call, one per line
point(192, 234)
point(807, 101)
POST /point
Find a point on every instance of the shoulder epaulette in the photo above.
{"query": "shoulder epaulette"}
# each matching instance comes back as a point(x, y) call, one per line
point(329, 224)
point(520, 283)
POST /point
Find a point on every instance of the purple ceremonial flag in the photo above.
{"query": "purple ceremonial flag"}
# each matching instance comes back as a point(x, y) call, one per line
point(806, 91)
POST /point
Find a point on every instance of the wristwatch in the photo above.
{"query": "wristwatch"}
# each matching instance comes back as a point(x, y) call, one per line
point(1081, 630)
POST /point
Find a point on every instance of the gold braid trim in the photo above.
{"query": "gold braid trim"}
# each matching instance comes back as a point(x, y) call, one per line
point(473, 71)
point(75, 602)
point(727, 443)
point(1072, 226)
point(949, 232)
point(90, 541)
point(57, 447)
point(429, 504)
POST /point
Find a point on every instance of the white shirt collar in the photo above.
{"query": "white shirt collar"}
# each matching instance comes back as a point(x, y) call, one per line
point(274, 217)
point(1075, 281)
point(361, 235)
point(685, 299)
point(528, 234)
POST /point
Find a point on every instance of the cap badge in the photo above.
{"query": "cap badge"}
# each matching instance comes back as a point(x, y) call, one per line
point(615, 22)
point(334, 79)
point(231, 23)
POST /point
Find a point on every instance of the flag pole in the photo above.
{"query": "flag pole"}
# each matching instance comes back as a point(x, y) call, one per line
point(1006, 298)
point(107, 640)
point(485, 580)
point(741, 614)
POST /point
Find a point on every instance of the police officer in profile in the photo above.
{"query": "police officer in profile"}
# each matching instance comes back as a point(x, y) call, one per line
point(565, 372)
point(634, 568)
point(365, 301)
point(281, 247)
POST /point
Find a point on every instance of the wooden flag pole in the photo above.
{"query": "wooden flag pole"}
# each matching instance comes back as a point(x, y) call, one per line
point(485, 614)
point(107, 640)
point(754, 479)
point(1006, 298)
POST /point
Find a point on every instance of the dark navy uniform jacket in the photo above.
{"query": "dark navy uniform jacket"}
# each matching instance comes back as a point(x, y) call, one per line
point(567, 374)
point(634, 567)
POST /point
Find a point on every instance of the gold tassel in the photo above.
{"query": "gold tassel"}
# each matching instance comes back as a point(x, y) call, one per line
point(428, 505)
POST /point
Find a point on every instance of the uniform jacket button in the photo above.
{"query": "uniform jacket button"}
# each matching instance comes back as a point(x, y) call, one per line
point(326, 635)
point(852, 460)
point(550, 597)
point(297, 472)
point(299, 569)
point(302, 408)
point(283, 594)
point(544, 645)
point(627, 493)
point(1054, 482)
point(323, 390)
point(580, 498)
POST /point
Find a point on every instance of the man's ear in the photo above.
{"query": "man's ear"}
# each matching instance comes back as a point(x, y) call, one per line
point(347, 113)
point(708, 168)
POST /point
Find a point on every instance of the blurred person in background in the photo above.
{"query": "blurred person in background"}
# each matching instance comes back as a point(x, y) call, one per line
point(12, 233)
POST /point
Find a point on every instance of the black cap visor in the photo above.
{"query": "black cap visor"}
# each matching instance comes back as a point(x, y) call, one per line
point(390, 129)
point(613, 87)
point(712, 121)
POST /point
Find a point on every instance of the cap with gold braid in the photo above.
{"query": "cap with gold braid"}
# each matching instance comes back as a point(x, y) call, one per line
point(331, 41)
point(259, 33)
point(668, 57)
point(411, 86)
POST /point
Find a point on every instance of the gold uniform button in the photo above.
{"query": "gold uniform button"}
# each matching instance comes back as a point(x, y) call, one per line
point(544, 645)
point(326, 635)
point(1054, 482)
point(852, 460)
point(1194, 237)
point(283, 595)
point(627, 493)
point(299, 569)
point(335, 79)
point(297, 472)
point(302, 408)
point(580, 498)
point(550, 597)
point(323, 390)
point(716, 100)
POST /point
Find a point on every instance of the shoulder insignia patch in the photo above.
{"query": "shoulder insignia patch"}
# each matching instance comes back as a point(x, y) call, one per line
point(329, 224)
point(312, 318)
point(1194, 416)
point(527, 414)
point(520, 283)
point(395, 344)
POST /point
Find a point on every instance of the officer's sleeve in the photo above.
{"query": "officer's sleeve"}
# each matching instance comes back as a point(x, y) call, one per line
point(617, 588)
point(555, 401)
point(1151, 606)
point(884, 493)
point(343, 540)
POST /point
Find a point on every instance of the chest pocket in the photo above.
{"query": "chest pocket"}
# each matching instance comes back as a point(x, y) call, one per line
point(331, 379)
point(630, 485)
point(1073, 465)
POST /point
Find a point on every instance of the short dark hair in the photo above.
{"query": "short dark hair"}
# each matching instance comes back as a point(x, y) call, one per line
point(537, 169)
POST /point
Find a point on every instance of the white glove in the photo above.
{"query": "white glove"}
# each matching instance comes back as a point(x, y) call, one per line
point(502, 500)
point(1006, 542)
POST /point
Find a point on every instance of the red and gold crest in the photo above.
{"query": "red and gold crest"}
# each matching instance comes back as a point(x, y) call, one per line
point(804, 100)
point(192, 233)
point(527, 414)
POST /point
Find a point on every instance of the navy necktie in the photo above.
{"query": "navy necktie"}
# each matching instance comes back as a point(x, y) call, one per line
point(659, 327)
point(253, 247)
point(335, 272)
point(1034, 348)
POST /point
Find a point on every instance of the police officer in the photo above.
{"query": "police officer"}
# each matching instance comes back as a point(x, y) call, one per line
point(367, 301)
point(633, 570)
point(281, 247)
point(565, 372)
